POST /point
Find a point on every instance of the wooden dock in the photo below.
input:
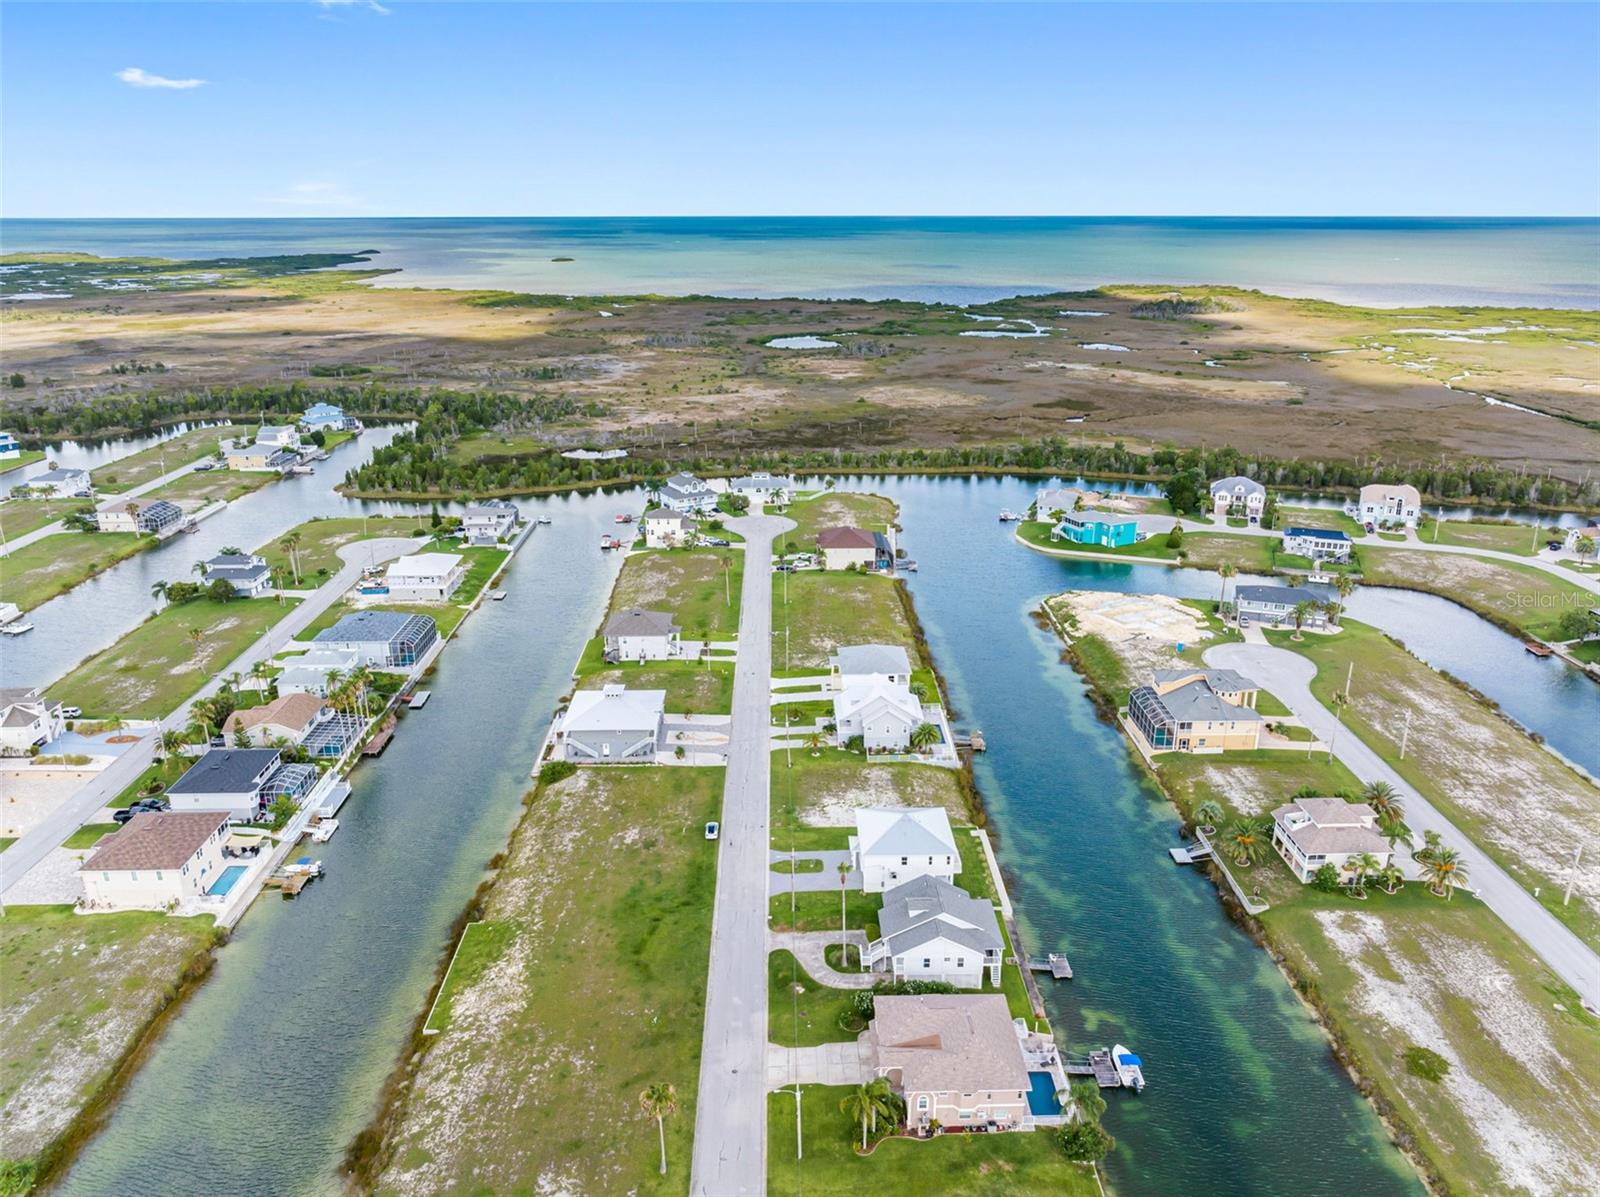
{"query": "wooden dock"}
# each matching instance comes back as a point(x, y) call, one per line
point(380, 738)
point(972, 741)
point(1055, 964)
point(1097, 1064)
point(290, 883)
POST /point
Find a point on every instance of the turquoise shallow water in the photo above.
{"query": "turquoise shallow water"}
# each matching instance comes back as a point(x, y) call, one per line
point(1380, 261)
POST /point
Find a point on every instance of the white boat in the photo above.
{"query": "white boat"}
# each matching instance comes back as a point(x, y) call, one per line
point(323, 831)
point(302, 469)
point(16, 629)
point(544, 519)
point(10, 613)
point(1008, 516)
point(420, 699)
point(1130, 1069)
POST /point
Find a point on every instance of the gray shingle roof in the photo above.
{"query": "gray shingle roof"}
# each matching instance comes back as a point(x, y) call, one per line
point(155, 840)
point(636, 621)
point(226, 771)
point(1287, 595)
point(1226, 681)
point(929, 907)
point(1196, 702)
point(871, 658)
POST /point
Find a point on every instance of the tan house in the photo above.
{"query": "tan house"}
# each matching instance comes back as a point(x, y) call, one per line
point(956, 1059)
point(138, 515)
point(287, 718)
point(1311, 832)
point(158, 858)
point(1388, 503)
point(1196, 710)
point(666, 529)
point(843, 548)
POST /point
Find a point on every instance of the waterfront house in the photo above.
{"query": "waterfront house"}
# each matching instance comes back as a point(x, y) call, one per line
point(61, 484)
point(326, 417)
point(932, 931)
point(1311, 832)
point(763, 487)
point(843, 548)
point(956, 1059)
point(635, 634)
point(156, 859)
point(424, 577)
point(281, 436)
point(288, 717)
point(1053, 502)
point(1319, 544)
point(1588, 531)
point(381, 639)
point(1092, 528)
point(28, 720)
point(1238, 496)
point(896, 844)
point(489, 522)
point(666, 529)
point(686, 494)
point(308, 673)
point(856, 664)
point(1195, 710)
point(10, 446)
point(152, 516)
point(1387, 504)
point(242, 782)
point(612, 725)
point(247, 573)
point(883, 714)
point(260, 458)
point(1274, 605)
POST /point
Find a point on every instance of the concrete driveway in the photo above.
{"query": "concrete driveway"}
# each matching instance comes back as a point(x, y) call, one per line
point(730, 1134)
point(826, 1064)
point(1288, 675)
point(810, 949)
point(814, 882)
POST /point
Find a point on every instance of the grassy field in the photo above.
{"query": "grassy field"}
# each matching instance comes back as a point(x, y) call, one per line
point(1411, 971)
point(1525, 598)
point(150, 671)
point(480, 947)
point(826, 610)
point(78, 992)
point(38, 572)
point(1316, 517)
point(691, 687)
point(1525, 540)
point(320, 540)
point(834, 510)
point(802, 1012)
point(596, 990)
point(18, 517)
point(26, 458)
point(700, 587)
point(145, 466)
point(195, 490)
point(1514, 799)
point(1017, 1165)
point(825, 790)
point(1201, 549)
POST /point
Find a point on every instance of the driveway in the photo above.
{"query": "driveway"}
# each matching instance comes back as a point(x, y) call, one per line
point(1288, 675)
point(730, 1134)
point(810, 949)
point(826, 880)
point(825, 1064)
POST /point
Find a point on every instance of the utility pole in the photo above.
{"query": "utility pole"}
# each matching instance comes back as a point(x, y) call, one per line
point(1405, 735)
point(1349, 680)
point(1577, 855)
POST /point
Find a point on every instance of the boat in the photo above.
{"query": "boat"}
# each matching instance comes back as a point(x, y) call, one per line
point(544, 519)
point(909, 567)
point(419, 699)
point(1130, 1069)
point(1538, 649)
point(1008, 516)
point(302, 469)
point(16, 629)
point(305, 865)
point(323, 831)
point(623, 518)
point(498, 596)
point(10, 613)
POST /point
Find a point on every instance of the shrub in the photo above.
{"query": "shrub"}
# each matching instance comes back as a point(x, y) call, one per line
point(1175, 538)
point(1426, 1063)
point(1085, 1141)
point(554, 771)
point(1326, 879)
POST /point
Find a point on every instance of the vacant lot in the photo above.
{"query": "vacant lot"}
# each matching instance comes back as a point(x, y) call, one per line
point(837, 510)
point(700, 587)
point(596, 992)
point(147, 465)
point(1524, 597)
point(1523, 539)
point(1515, 1111)
point(826, 610)
point(21, 516)
point(38, 572)
point(150, 671)
point(320, 540)
point(194, 491)
point(75, 994)
point(1020, 1165)
point(826, 789)
point(1524, 807)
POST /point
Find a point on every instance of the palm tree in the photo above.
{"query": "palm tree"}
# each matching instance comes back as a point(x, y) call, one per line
point(885, 1103)
point(196, 639)
point(1394, 831)
point(159, 592)
point(1362, 866)
point(1445, 870)
point(924, 736)
point(1226, 570)
point(1207, 813)
point(1431, 844)
point(1301, 612)
point(1391, 878)
point(814, 742)
point(169, 741)
point(290, 544)
point(1385, 802)
point(1247, 839)
point(1345, 585)
point(866, 1102)
point(657, 1101)
point(199, 567)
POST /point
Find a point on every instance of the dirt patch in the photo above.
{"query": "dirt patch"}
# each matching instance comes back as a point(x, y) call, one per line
point(834, 803)
point(1144, 630)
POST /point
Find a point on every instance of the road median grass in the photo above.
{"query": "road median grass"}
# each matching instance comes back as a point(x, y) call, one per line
point(36, 573)
point(154, 668)
point(596, 991)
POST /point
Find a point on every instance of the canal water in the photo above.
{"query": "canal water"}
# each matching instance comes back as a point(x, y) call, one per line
point(92, 454)
point(275, 1063)
point(1243, 1094)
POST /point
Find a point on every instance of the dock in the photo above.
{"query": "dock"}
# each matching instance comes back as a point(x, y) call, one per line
point(380, 738)
point(1055, 964)
point(972, 741)
point(1097, 1064)
point(1191, 853)
point(1538, 649)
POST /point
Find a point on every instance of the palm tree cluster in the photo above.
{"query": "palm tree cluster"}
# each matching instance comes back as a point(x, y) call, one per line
point(1443, 867)
point(351, 692)
point(867, 1103)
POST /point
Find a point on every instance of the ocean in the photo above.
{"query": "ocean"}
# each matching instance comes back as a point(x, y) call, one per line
point(1373, 261)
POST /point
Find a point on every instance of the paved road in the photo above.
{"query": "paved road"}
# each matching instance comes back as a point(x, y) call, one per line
point(1288, 675)
point(112, 780)
point(730, 1134)
point(131, 493)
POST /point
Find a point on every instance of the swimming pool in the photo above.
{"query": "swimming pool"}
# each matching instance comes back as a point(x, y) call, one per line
point(1042, 1097)
point(227, 879)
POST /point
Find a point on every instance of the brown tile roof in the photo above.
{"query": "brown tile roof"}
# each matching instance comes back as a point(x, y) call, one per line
point(292, 710)
point(846, 538)
point(155, 840)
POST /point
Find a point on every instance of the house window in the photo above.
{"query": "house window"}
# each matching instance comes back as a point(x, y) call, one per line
point(922, 1103)
point(927, 962)
point(961, 962)
point(158, 874)
point(904, 860)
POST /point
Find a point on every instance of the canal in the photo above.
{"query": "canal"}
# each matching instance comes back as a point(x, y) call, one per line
point(275, 1063)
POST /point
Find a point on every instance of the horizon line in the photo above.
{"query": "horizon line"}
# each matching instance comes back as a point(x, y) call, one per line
point(278, 216)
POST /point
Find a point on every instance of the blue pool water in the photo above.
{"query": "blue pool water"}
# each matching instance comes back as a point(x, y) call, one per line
point(226, 880)
point(1042, 1097)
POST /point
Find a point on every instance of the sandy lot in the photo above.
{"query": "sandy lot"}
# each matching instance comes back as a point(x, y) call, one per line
point(1143, 629)
point(31, 794)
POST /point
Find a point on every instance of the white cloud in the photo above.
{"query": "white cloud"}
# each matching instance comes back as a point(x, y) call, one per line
point(316, 195)
point(136, 77)
point(371, 5)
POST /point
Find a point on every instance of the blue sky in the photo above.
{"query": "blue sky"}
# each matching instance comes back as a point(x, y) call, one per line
point(304, 108)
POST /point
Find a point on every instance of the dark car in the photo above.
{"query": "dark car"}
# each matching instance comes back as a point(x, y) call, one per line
point(156, 803)
point(1555, 544)
point(123, 815)
point(717, 542)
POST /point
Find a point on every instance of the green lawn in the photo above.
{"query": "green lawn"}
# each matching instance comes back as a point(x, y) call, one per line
point(79, 992)
point(166, 772)
point(596, 991)
point(1201, 549)
point(691, 688)
point(802, 1012)
point(321, 539)
point(1588, 651)
point(1523, 598)
point(1514, 799)
point(1525, 540)
point(18, 517)
point(90, 834)
point(38, 572)
point(1270, 704)
point(823, 791)
point(195, 490)
point(836, 510)
point(1013, 1165)
point(150, 671)
point(700, 587)
point(825, 610)
point(26, 458)
point(146, 465)
point(481, 945)
point(1317, 517)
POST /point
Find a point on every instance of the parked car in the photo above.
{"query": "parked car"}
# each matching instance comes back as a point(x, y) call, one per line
point(712, 829)
point(203, 466)
point(718, 542)
point(153, 803)
point(72, 712)
point(123, 815)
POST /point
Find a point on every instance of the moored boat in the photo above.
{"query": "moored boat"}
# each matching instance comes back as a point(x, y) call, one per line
point(1130, 1069)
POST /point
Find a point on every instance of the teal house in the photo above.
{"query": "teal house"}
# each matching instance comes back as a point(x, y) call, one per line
point(1087, 527)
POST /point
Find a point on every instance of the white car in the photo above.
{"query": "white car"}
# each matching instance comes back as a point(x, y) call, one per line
point(712, 829)
point(71, 712)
